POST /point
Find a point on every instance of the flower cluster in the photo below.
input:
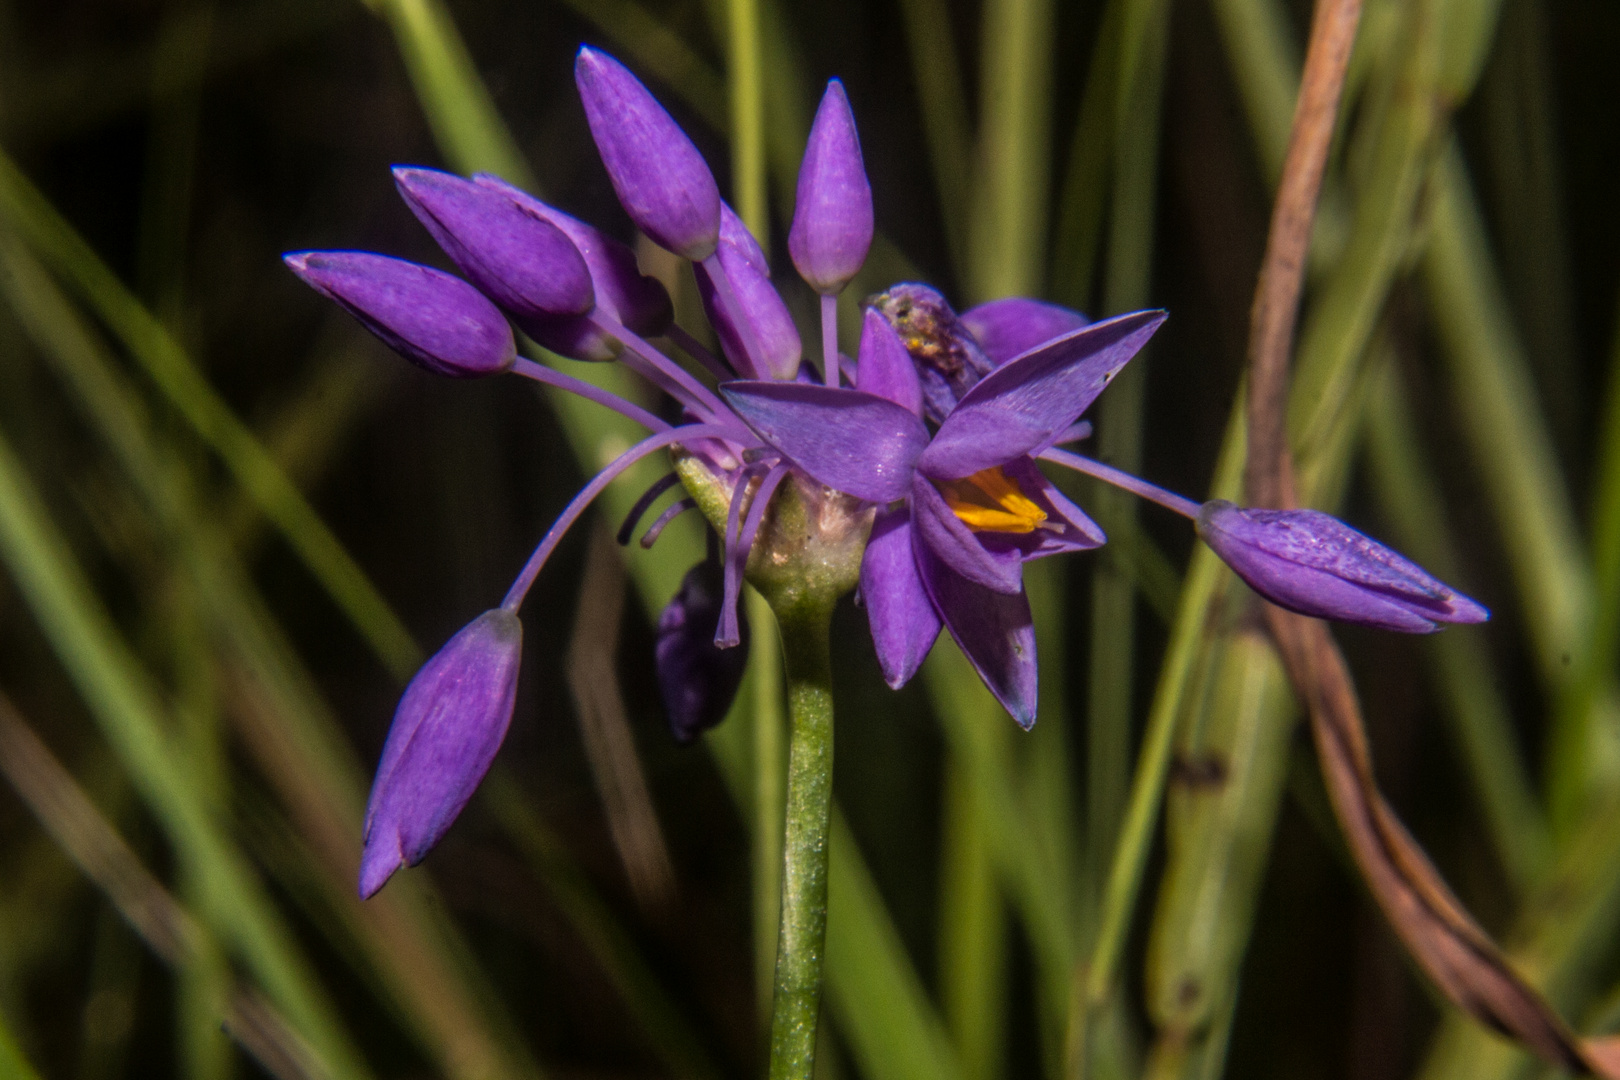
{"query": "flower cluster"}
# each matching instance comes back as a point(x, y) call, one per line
point(919, 481)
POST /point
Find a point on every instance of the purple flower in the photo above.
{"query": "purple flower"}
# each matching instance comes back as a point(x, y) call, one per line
point(975, 505)
point(696, 678)
point(664, 183)
point(832, 213)
point(1309, 562)
point(429, 317)
point(445, 733)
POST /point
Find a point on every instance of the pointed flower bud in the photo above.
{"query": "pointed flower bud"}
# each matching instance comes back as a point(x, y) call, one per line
point(431, 318)
point(445, 734)
point(662, 180)
point(1309, 562)
point(697, 680)
point(622, 291)
point(745, 266)
point(832, 214)
point(524, 263)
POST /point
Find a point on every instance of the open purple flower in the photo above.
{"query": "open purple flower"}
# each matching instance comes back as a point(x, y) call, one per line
point(933, 452)
point(974, 504)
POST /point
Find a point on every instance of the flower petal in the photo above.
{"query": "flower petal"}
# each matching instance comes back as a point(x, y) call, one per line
point(524, 263)
point(856, 443)
point(1024, 404)
point(661, 179)
point(1013, 326)
point(431, 318)
point(904, 622)
point(832, 213)
point(446, 731)
point(993, 629)
point(884, 368)
point(999, 569)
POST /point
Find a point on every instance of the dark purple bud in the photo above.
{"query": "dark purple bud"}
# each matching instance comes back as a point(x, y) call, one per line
point(622, 291)
point(662, 180)
point(832, 214)
point(522, 262)
point(697, 680)
point(445, 734)
point(744, 264)
point(429, 317)
point(1315, 564)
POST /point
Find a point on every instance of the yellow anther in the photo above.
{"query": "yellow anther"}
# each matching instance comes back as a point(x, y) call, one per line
point(988, 501)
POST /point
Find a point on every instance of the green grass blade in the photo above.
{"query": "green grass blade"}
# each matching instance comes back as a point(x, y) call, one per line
point(972, 930)
point(1480, 719)
point(127, 707)
point(26, 211)
point(295, 738)
point(12, 1062)
point(937, 72)
point(747, 117)
point(458, 107)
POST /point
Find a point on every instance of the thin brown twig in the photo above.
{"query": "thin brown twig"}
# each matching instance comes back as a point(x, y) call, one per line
point(1457, 954)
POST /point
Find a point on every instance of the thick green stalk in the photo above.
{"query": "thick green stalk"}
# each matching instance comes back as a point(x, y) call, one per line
point(768, 724)
point(806, 647)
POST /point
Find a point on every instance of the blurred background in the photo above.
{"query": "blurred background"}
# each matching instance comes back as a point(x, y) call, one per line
point(232, 524)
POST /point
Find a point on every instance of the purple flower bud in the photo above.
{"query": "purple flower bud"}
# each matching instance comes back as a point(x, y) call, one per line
point(662, 180)
point(429, 317)
point(697, 680)
point(832, 214)
point(1309, 562)
point(745, 266)
point(445, 734)
point(522, 262)
point(622, 291)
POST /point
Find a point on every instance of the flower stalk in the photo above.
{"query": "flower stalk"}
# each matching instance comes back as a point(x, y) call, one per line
point(805, 628)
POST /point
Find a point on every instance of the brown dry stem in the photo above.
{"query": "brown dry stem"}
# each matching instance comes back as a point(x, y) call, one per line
point(1465, 964)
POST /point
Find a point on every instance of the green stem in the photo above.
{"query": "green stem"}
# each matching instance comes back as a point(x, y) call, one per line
point(806, 641)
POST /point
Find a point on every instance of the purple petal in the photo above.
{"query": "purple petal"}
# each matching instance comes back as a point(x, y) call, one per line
point(697, 680)
point(1010, 327)
point(429, 317)
point(622, 291)
point(745, 267)
point(524, 263)
point(998, 568)
point(904, 622)
point(1027, 402)
point(832, 213)
point(861, 445)
point(1315, 564)
point(947, 358)
point(445, 734)
point(993, 629)
point(884, 367)
point(662, 180)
